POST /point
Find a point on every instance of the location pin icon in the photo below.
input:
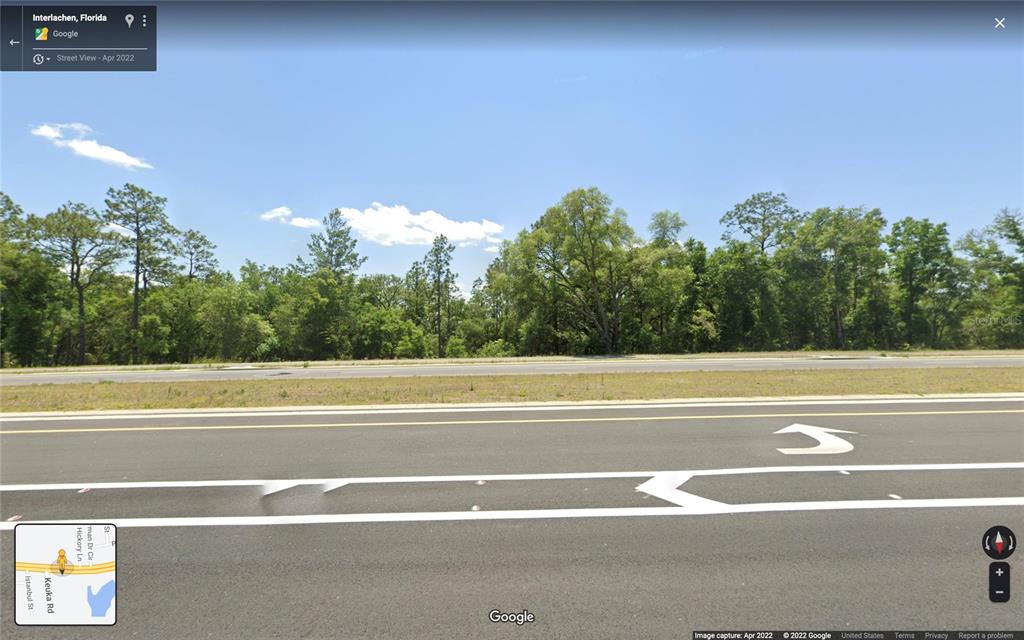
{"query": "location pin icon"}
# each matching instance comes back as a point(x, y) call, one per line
point(129, 19)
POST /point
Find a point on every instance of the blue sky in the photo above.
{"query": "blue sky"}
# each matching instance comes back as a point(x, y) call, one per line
point(253, 141)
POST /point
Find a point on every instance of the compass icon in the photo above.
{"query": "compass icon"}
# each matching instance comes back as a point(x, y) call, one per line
point(999, 542)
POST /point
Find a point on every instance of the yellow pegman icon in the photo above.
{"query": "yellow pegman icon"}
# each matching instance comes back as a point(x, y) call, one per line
point(62, 561)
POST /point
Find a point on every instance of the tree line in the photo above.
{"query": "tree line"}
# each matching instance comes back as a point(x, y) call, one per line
point(121, 284)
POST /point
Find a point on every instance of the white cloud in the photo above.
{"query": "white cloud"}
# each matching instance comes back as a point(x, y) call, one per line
point(304, 223)
point(47, 131)
point(492, 248)
point(72, 135)
point(277, 213)
point(397, 225)
point(284, 215)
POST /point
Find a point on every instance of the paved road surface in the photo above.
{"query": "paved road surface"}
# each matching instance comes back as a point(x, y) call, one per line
point(623, 521)
point(577, 365)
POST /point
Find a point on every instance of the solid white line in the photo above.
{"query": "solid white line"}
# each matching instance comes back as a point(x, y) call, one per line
point(684, 474)
point(863, 467)
point(543, 514)
point(385, 410)
point(332, 482)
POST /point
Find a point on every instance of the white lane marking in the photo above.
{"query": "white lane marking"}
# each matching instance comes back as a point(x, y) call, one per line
point(895, 497)
point(661, 484)
point(329, 484)
point(941, 466)
point(666, 486)
point(844, 472)
point(273, 486)
point(374, 410)
point(827, 443)
point(544, 514)
point(334, 483)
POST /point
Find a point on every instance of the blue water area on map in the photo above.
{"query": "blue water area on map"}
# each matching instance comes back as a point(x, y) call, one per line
point(99, 602)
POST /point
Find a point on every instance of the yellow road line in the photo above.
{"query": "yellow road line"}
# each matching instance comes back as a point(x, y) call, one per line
point(50, 564)
point(515, 421)
point(35, 567)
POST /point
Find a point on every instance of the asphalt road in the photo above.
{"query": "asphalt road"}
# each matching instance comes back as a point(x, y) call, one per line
point(416, 523)
point(512, 367)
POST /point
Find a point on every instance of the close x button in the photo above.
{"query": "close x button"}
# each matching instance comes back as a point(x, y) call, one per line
point(999, 582)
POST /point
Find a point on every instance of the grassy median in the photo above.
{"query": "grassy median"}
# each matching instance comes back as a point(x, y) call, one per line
point(508, 388)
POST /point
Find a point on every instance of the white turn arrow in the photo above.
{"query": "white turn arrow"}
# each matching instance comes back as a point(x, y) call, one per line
point(827, 443)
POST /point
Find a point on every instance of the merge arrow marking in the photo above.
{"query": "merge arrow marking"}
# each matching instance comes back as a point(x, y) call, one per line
point(827, 443)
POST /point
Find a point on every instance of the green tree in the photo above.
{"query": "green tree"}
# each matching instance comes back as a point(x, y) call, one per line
point(584, 249)
point(141, 215)
point(661, 279)
point(382, 290)
point(416, 295)
point(440, 279)
point(154, 338)
point(380, 332)
point(223, 316)
point(178, 308)
point(738, 273)
point(326, 313)
point(258, 340)
point(333, 249)
point(833, 261)
point(762, 218)
point(926, 277)
point(1009, 225)
point(412, 344)
point(75, 237)
point(31, 292)
point(665, 227)
point(197, 252)
point(995, 314)
point(696, 312)
point(576, 281)
point(1009, 228)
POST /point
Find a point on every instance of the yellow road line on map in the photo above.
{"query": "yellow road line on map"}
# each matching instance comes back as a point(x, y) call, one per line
point(513, 421)
point(38, 567)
